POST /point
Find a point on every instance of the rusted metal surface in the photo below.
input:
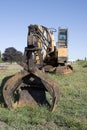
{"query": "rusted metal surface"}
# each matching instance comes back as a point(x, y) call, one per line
point(30, 89)
point(51, 86)
point(62, 70)
point(10, 86)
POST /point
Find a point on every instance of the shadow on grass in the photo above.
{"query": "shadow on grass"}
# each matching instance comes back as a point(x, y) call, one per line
point(1, 90)
point(84, 66)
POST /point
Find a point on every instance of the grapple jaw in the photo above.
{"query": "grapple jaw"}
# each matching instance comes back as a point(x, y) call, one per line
point(30, 89)
point(51, 86)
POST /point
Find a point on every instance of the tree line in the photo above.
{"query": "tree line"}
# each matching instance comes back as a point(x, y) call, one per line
point(11, 55)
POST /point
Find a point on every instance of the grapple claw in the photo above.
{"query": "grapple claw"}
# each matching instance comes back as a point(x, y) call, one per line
point(30, 89)
point(51, 86)
point(11, 86)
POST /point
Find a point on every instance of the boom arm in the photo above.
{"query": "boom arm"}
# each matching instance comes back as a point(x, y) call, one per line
point(40, 43)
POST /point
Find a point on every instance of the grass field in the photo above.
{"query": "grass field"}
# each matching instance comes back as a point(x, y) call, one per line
point(71, 113)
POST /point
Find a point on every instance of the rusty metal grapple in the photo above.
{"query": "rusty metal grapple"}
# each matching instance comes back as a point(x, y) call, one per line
point(32, 86)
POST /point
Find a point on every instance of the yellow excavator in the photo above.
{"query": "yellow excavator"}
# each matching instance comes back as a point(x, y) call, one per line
point(32, 85)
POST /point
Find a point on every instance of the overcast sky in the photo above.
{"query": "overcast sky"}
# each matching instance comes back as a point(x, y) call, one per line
point(16, 15)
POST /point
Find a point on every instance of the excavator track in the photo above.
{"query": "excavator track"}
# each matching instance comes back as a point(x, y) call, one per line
point(64, 70)
point(30, 88)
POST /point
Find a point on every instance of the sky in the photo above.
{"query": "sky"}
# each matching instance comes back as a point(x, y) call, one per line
point(17, 15)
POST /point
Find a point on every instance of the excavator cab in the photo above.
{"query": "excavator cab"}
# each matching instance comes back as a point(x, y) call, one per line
point(62, 46)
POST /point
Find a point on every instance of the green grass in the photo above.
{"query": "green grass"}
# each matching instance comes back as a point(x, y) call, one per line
point(71, 113)
point(0, 60)
point(82, 63)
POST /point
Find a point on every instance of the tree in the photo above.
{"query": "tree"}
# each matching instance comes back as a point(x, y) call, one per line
point(85, 59)
point(19, 56)
point(0, 57)
point(0, 54)
point(11, 55)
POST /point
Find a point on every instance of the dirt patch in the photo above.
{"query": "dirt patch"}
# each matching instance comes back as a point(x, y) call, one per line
point(3, 124)
point(49, 125)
